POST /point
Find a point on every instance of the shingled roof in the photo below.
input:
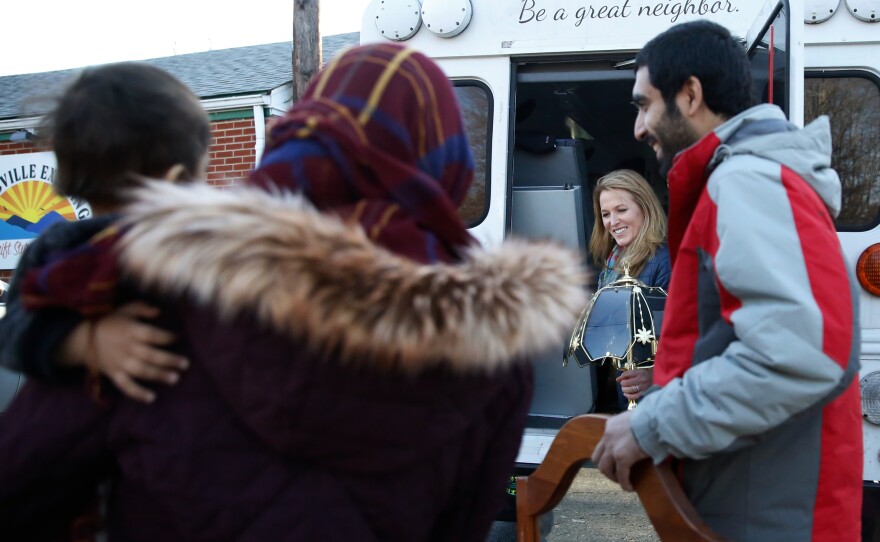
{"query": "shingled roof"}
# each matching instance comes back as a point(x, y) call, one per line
point(211, 74)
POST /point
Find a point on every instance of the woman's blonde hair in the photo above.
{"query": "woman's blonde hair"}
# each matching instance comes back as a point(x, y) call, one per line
point(650, 236)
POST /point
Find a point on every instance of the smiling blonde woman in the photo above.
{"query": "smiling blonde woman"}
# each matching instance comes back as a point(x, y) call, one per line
point(629, 232)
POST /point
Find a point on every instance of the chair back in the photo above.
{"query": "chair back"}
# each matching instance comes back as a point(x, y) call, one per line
point(670, 512)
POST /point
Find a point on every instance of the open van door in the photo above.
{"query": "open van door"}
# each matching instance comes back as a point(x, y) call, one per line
point(775, 47)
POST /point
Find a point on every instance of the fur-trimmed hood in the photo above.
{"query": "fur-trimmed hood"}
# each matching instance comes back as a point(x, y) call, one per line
point(315, 278)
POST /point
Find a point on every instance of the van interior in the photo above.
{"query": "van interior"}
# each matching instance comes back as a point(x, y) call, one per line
point(573, 124)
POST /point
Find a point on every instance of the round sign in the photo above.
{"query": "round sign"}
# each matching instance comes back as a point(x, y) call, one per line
point(447, 18)
point(817, 11)
point(864, 10)
point(396, 20)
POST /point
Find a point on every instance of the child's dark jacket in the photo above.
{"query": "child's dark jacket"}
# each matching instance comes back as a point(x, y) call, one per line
point(29, 339)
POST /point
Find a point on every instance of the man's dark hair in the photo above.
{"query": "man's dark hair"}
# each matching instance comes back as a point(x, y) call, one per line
point(117, 122)
point(706, 51)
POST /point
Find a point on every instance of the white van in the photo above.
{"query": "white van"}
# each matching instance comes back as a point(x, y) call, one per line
point(546, 87)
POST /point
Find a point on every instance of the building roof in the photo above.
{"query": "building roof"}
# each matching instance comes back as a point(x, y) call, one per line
point(211, 74)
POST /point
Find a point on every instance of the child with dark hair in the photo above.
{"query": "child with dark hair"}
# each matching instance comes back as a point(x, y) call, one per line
point(114, 126)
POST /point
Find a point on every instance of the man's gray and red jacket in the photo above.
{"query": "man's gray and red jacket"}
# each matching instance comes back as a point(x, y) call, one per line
point(760, 346)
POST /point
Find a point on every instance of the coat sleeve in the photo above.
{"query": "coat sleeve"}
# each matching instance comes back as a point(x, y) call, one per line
point(30, 340)
point(786, 295)
point(16, 319)
point(53, 455)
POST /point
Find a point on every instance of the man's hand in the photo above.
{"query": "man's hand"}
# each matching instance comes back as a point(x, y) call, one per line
point(618, 450)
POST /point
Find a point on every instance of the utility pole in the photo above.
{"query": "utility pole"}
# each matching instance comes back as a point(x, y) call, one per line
point(306, 45)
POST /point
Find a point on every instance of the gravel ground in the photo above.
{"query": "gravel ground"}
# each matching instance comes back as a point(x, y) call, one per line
point(596, 510)
point(593, 510)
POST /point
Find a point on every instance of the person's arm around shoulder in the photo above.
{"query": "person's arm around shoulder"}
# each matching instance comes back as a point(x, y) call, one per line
point(55, 344)
point(17, 321)
point(125, 349)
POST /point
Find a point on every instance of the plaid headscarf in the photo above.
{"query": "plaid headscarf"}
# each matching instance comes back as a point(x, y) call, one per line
point(378, 139)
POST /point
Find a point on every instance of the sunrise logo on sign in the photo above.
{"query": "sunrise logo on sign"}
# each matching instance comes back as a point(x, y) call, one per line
point(29, 207)
point(29, 203)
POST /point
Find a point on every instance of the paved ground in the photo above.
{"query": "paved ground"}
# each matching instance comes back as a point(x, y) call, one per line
point(597, 510)
point(593, 510)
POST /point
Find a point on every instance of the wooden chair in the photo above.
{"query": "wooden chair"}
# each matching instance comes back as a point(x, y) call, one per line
point(669, 510)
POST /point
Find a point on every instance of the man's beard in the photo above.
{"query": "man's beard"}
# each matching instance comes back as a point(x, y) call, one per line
point(674, 134)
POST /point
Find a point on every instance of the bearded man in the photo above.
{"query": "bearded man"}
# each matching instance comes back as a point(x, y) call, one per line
point(755, 392)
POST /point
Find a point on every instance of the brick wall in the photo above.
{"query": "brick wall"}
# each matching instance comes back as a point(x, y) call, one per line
point(232, 151)
point(21, 147)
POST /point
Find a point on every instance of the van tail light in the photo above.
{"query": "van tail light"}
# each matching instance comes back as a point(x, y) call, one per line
point(868, 269)
point(870, 387)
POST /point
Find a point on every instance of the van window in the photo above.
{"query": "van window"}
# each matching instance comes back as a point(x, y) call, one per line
point(852, 102)
point(476, 110)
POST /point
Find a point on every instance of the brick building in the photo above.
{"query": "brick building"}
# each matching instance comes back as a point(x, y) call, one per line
point(240, 89)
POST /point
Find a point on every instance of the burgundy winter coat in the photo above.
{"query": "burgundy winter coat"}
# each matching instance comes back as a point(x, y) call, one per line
point(336, 391)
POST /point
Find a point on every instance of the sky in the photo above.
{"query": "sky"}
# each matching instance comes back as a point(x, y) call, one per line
point(48, 35)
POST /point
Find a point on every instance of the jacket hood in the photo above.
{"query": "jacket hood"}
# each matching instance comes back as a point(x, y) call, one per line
point(315, 278)
point(764, 131)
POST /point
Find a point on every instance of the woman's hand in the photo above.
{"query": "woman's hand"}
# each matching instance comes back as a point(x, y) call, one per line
point(125, 349)
point(635, 383)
